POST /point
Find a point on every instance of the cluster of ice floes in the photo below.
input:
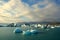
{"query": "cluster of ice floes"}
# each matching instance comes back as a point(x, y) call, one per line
point(27, 32)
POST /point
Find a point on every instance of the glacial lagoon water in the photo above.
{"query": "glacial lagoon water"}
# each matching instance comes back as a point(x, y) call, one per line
point(6, 33)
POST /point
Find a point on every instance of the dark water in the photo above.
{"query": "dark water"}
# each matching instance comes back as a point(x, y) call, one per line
point(6, 33)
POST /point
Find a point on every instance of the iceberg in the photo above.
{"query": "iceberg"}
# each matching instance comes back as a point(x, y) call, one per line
point(34, 31)
point(17, 30)
point(30, 32)
point(27, 32)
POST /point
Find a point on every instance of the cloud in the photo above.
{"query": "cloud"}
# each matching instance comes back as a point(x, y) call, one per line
point(50, 11)
point(32, 2)
point(18, 11)
point(55, 2)
point(12, 12)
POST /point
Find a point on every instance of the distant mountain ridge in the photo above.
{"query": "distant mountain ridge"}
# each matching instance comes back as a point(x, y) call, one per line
point(32, 23)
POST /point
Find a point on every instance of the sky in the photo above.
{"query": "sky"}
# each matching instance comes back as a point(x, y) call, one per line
point(12, 11)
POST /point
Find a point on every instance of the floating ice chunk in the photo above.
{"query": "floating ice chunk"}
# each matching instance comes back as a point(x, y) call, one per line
point(17, 30)
point(30, 32)
point(52, 27)
point(27, 32)
point(34, 31)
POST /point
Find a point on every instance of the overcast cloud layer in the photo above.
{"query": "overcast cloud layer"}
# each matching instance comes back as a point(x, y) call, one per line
point(29, 10)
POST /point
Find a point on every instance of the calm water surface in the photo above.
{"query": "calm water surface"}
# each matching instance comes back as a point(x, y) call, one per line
point(6, 33)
